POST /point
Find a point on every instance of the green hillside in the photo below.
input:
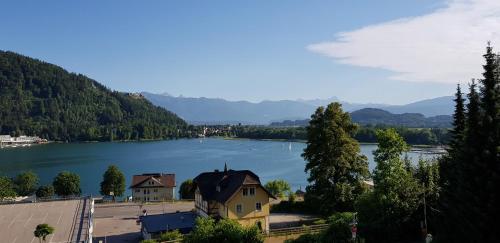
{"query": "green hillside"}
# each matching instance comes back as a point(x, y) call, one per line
point(38, 98)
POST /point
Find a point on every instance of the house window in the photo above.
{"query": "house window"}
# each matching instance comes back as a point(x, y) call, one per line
point(245, 191)
point(239, 208)
point(258, 206)
point(145, 191)
point(252, 191)
point(137, 190)
point(155, 190)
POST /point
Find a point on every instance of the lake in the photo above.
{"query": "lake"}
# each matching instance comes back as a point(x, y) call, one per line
point(184, 157)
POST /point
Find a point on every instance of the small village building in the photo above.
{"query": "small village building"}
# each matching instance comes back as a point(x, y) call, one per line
point(232, 194)
point(152, 226)
point(154, 187)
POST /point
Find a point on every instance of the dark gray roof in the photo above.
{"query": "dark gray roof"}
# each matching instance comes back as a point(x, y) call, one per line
point(183, 221)
point(229, 183)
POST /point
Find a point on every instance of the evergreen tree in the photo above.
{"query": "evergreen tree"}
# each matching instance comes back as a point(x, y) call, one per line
point(334, 162)
point(490, 142)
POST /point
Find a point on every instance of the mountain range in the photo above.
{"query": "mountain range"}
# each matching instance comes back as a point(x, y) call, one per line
point(219, 111)
point(374, 116)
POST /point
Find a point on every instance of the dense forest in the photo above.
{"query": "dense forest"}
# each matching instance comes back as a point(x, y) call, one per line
point(373, 116)
point(38, 98)
point(364, 134)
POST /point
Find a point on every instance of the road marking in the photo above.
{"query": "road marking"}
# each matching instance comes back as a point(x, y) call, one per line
point(32, 240)
point(27, 221)
point(13, 220)
point(52, 236)
point(44, 218)
point(60, 215)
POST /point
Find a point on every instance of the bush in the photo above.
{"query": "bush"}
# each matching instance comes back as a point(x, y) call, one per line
point(45, 191)
point(149, 241)
point(305, 238)
point(170, 235)
point(339, 229)
point(226, 230)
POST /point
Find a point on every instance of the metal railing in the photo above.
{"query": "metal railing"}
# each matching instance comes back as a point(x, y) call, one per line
point(313, 229)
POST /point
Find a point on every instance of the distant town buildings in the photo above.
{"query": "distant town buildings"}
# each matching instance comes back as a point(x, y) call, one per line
point(155, 187)
point(21, 141)
point(232, 194)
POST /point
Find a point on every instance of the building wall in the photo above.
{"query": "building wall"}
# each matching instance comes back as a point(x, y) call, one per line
point(153, 192)
point(249, 215)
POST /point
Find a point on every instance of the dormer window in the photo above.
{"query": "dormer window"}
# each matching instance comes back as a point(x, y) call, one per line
point(245, 191)
point(252, 191)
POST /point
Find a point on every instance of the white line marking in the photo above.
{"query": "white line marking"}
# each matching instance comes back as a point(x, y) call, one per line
point(27, 221)
point(32, 240)
point(60, 215)
point(13, 220)
point(44, 218)
point(14, 240)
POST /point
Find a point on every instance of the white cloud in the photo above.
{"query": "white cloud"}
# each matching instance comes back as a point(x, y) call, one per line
point(444, 46)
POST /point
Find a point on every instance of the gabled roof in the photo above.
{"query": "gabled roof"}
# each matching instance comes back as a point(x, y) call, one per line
point(229, 183)
point(166, 180)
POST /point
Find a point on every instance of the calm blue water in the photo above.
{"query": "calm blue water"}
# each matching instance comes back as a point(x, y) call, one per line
point(185, 157)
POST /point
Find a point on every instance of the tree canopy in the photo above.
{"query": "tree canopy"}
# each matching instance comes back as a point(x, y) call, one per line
point(45, 191)
point(26, 183)
point(67, 184)
point(187, 189)
point(206, 230)
point(335, 164)
point(113, 182)
point(38, 98)
point(42, 231)
point(6, 188)
point(470, 198)
point(279, 188)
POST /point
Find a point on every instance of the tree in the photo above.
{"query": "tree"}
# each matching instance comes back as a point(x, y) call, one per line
point(66, 184)
point(113, 182)
point(42, 231)
point(225, 230)
point(45, 191)
point(170, 236)
point(334, 162)
point(489, 158)
point(386, 213)
point(279, 188)
point(26, 183)
point(6, 188)
point(450, 164)
point(187, 189)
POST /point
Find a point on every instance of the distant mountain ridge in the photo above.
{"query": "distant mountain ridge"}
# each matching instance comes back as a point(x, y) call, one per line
point(373, 116)
point(220, 111)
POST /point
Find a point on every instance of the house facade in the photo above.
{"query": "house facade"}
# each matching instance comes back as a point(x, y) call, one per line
point(155, 187)
point(231, 194)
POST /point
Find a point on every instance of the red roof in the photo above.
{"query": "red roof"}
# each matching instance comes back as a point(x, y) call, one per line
point(166, 180)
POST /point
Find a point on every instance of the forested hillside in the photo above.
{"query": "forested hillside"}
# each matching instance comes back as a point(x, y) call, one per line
point(38, 98)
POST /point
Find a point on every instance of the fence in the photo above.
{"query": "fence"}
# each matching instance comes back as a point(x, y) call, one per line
point(297, 230)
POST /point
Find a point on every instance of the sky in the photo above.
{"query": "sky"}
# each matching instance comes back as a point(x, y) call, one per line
point(385, 51)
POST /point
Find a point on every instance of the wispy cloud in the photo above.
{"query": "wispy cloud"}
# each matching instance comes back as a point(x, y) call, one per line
point(443, 46)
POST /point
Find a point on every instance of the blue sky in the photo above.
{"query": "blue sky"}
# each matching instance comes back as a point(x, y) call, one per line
point(254, 50)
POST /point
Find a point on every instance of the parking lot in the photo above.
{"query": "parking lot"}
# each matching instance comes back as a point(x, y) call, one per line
point(116, 222)
point(18, 221)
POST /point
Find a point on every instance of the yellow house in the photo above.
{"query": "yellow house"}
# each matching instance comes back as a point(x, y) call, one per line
point(235, 195)
point(155, 187)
